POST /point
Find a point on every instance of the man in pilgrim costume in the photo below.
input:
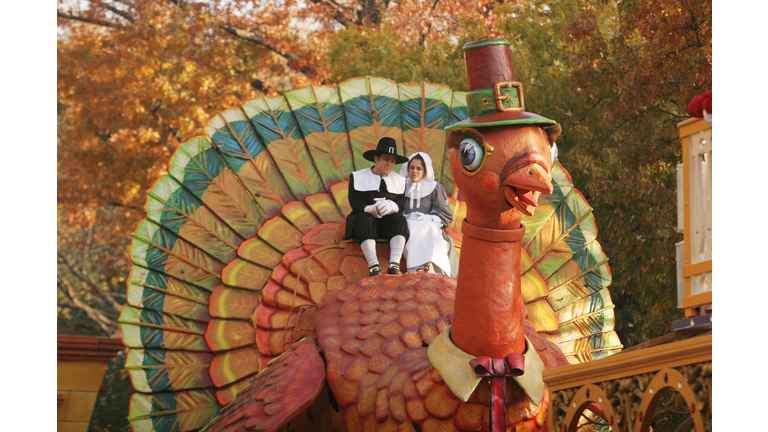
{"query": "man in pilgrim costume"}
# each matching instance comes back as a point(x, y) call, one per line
point(377, 198)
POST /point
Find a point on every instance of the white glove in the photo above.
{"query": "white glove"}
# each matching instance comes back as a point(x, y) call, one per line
point(433, 218)
point(386, 207)
point(373, 210)
point(382, 207)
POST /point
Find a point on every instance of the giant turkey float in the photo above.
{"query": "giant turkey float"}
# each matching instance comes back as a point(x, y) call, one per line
point(248, 310)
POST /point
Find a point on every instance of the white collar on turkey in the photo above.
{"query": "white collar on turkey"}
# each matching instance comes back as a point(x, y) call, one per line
point(425, 186)
point(453, 365)
point(366, 180)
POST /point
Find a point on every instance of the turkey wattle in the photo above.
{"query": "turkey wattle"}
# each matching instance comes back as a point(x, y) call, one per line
point(240, 257)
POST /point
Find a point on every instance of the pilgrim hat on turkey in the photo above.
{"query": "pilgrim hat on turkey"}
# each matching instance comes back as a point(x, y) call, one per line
point(386, 145)
point(495, 98)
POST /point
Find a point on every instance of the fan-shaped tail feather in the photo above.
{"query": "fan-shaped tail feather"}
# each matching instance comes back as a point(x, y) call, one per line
point(567, 273)
point(242, 242)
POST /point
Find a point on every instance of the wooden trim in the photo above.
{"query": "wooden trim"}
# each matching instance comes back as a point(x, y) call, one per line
point(87, 348)
point(697, 300)
point(694, 350)
point(698, 268)
point(686, 129)
point(692, 126)
point(686, 212)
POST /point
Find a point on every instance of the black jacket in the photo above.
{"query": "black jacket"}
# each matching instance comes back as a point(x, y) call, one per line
point(358, 200)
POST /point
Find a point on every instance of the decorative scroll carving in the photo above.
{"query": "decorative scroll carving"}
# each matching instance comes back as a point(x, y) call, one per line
point(636, 400)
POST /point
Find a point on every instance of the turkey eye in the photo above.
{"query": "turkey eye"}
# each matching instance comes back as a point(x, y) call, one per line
point(471, 154)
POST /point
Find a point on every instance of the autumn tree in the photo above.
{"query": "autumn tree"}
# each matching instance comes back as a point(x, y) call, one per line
point(618, 76)
point(136, 78)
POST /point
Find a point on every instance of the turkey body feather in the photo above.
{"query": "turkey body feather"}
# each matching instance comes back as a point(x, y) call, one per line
point(241, 248)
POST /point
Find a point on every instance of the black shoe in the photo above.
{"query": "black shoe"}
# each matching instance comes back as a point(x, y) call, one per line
point(374, 270)
point(394, 268)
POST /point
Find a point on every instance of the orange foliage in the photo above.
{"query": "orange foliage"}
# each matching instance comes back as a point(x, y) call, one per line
point(136, 78)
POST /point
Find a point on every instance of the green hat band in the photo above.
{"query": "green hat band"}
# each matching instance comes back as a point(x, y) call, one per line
point(483, 101)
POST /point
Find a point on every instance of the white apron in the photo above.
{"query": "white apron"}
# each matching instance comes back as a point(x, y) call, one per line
point(426, 244)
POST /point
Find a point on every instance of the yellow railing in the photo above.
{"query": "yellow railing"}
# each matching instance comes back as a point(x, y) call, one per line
point(629, 386)
point(696, 137)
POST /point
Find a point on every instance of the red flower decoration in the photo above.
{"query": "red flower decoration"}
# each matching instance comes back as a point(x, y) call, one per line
point(700, 103)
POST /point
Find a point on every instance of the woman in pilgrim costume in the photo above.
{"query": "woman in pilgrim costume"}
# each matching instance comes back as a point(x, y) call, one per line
point(377, 198)
point(427, 211)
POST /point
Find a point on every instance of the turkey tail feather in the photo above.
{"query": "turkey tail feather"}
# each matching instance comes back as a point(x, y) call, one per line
point(320, 115)
point(277, 129)
point(458, 113)
point(565, 274)
point(242, 242)
point(372, 111)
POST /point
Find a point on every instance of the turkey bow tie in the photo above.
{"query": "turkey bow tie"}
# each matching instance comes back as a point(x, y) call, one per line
point(497, 370)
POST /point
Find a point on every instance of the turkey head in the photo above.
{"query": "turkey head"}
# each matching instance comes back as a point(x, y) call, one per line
point(501, 171)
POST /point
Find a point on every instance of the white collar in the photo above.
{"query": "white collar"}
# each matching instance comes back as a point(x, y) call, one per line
point(453, 365)
point(366, 180)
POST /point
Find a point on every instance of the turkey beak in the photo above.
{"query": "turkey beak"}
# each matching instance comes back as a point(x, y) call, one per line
point(525, 178)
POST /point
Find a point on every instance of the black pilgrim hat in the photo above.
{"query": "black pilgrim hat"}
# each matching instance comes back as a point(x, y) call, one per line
point(386, 145)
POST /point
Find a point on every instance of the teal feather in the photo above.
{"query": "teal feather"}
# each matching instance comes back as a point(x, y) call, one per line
point(202, 171)
point(320, 116)
point(277, 128)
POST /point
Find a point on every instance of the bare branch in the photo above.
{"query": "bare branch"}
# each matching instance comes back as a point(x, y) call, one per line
point(594, 105)
point(131, 207)
point(691, 46)
point(103, 135)
point(105, 323)
point(672, 114)
point(605, 58)
point(423, 36)
point(339, 14)
point(86, 20)
point(121, 13)
point(368, 12)
point(258, 38)
point(615, 129)
point(93, 287)
point(154, 107)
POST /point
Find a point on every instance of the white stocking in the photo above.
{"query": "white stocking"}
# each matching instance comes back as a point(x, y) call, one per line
point(369, 250)
point(396, 246)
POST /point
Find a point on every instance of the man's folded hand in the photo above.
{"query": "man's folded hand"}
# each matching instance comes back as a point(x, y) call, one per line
point(373, 210)
point(386, 207)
